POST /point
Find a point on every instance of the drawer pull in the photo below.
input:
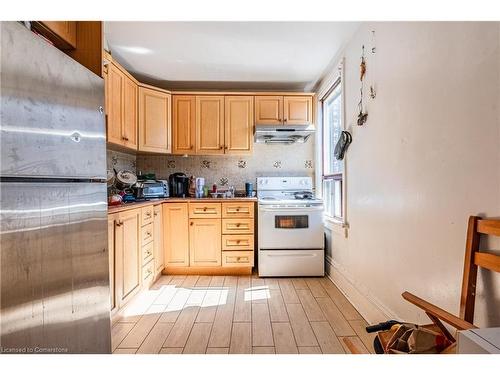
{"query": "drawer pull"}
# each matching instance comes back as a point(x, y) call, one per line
point(148, 214)
point(148, 234)
point(156, 213)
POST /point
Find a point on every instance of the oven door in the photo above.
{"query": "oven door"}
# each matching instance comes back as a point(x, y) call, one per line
point(290, 227)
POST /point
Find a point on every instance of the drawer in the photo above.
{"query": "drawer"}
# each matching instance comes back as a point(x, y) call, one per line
point(237, 258)
point(146, 234)
point(146, 215)
point(237, 226)
point(237, 209)
point(204, 210)
point(237, 242)
point(147, 253)
point(148, 273)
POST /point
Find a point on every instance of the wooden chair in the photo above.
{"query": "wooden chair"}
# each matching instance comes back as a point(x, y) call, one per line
point(474, 258)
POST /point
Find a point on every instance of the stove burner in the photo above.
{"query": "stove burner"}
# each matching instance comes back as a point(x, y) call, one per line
point(303, 195)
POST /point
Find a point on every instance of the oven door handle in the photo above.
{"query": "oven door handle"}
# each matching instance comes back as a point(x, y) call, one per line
point(292, 255)
point(292, 209)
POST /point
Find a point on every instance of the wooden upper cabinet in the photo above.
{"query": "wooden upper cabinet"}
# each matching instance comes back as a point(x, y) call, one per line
point(209, 125)
point(175, 234)
point(154, 120)
point(121, 107)
point(129, 131)
point(238, 124)
point(114, 86)
point(268, 110)
point(297, 110)
point(61, 33)
point(205, 247)
point(184, 124)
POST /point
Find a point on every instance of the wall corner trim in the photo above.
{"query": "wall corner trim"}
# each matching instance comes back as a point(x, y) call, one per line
point(370, 308)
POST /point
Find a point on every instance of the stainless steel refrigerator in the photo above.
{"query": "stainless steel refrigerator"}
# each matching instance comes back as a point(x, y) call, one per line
point(54, 259)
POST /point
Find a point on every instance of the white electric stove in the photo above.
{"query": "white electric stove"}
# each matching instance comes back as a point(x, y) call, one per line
point(291, 237)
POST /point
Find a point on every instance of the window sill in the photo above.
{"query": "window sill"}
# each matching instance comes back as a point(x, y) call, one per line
point(336, 225)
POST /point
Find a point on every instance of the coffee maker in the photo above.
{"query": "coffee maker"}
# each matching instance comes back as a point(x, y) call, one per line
point(179, 185)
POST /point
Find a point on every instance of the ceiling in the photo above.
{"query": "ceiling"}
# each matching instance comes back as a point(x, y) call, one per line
point(228, 55)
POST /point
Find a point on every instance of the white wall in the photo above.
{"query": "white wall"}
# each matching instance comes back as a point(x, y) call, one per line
point(428, 157)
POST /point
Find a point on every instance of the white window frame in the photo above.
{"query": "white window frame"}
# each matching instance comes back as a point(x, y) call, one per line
point(331, 82)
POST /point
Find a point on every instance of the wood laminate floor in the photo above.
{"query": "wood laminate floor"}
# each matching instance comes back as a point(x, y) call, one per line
point(241, 315)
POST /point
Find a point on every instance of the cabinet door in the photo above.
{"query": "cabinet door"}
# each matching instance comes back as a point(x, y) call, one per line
point(209, 125)
point(205, 247)
point(111, 253)
point(154, 121)
point(129, 131)
point(268, 110)
point(298, 110)
point(159, 254)
point(238, 124)
point(128, 255)
point(63, 31)
point(184, 124)
point(115, 81)
point(175, 234)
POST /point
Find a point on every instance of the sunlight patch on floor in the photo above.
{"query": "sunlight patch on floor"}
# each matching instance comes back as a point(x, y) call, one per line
point(257, 293)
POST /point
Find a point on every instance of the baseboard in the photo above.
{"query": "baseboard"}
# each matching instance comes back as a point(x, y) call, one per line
point(370, 308)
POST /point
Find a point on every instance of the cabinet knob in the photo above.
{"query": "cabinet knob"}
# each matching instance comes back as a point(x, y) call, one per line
point(237, 210)
point(237, 225)
point(191, 223)
point(119, 223)
point(148, 233)
point(156, 213)
point(191, 147)
point(125, 138)
point(284, 120)
point(204, 208)
point(221, 148)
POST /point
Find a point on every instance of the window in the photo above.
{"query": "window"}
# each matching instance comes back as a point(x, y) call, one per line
point(333, 169)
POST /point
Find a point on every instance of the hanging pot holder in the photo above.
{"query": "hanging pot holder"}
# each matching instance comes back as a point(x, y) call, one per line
point(342, 145)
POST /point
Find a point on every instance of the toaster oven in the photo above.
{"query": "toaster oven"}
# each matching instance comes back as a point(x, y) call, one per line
point(155, 189)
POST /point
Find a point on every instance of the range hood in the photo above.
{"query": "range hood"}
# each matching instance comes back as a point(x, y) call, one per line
point(283, 134)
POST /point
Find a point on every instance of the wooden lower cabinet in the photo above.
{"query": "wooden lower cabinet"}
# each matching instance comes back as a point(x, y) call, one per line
point(176, 234)
point(159, 254)
point(111, 253)
point(220, 238)
point(128, 257)
point(205, 242)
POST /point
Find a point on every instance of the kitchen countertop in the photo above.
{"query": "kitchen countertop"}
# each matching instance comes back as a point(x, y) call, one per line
point(132, 205)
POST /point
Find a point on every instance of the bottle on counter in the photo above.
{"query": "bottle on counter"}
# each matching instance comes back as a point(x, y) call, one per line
point(214, 188)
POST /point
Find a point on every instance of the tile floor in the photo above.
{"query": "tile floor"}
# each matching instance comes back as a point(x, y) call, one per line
point(241, 315)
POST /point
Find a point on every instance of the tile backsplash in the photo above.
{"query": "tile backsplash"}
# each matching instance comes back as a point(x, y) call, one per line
point(266, 160)
point(120, 160)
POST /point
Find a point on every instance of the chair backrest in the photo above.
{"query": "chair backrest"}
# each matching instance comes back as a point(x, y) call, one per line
point(474, 258)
